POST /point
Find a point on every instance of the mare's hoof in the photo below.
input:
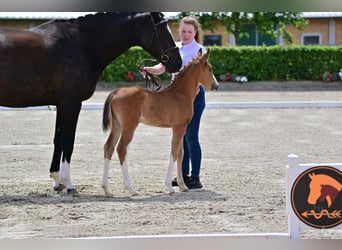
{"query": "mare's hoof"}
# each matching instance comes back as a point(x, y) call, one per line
point(72, 191)
point(60, 187)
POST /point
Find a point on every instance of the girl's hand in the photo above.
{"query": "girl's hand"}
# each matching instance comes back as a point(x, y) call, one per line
point(143, 72)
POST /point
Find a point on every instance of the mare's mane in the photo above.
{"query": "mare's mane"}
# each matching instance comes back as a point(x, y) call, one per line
point(87, 17)
point(116, 15)
point(67, 28)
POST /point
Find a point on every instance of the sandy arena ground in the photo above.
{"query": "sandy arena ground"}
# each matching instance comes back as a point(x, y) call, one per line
point(243, 170)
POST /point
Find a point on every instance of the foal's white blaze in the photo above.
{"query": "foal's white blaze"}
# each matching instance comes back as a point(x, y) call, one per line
point(65, 175)
point(105, 176)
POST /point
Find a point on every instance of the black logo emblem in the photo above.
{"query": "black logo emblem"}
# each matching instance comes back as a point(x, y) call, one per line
point(316, 197)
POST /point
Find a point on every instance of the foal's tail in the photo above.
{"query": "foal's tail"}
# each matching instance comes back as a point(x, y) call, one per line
point(107, 112)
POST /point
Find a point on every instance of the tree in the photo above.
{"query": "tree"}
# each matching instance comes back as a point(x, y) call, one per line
point(267, 23)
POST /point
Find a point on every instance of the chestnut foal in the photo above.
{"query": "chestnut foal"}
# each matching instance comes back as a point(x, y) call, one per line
point(171, 107)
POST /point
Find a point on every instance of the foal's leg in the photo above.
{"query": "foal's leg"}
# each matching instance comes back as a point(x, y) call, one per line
point(176, 155)
point(108, 153)
point(180, 180)
point(126, 138)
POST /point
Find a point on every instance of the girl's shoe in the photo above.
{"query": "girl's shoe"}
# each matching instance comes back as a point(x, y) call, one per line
point(190, 181)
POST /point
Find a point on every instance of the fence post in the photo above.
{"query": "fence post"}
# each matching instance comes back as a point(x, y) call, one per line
point(292, 173)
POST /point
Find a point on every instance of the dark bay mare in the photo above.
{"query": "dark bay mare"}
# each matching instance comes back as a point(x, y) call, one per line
point(60, 62)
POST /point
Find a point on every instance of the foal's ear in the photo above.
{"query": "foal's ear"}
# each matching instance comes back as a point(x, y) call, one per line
point(199, 54)
point(208, 52)
point(206, 55)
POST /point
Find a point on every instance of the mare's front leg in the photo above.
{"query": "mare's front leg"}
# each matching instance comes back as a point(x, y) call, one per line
point(66, 123)
point(57, 153)
point(176, 155)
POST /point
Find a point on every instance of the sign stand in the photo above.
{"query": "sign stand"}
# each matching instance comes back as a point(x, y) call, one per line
point(293, 171)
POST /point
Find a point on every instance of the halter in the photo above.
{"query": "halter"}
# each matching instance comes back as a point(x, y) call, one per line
point(152, 81)
point(164, 57)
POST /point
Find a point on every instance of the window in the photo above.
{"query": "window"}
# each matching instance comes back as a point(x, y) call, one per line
point(254, 37)
point(311, 39)
point(212, 40)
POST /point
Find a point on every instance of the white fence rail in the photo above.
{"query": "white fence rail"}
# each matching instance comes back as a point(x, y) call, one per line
point(218, 105)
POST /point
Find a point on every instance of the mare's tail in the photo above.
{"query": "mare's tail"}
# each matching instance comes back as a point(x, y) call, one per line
point(107, 112)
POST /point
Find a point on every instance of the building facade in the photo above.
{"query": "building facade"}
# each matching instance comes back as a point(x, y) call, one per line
point(324, 28)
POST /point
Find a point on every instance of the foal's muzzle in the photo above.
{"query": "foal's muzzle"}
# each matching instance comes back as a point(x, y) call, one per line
point(215, 85)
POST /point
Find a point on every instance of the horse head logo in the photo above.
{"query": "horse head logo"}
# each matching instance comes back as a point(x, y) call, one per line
point(323, 187)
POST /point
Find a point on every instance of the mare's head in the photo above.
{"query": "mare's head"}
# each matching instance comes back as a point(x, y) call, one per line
point(157, 39)
point(205, 72)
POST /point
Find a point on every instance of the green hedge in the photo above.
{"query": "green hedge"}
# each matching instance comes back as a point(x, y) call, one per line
point(278, 63)
point(117, 70)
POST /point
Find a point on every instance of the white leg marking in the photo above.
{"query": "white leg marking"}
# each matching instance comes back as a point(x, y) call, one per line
point(65, 175)
point(126, 179)
point(104, 183)
point(168, 178)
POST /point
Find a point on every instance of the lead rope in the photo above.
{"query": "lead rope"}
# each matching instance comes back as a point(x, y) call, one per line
point(151, 81)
